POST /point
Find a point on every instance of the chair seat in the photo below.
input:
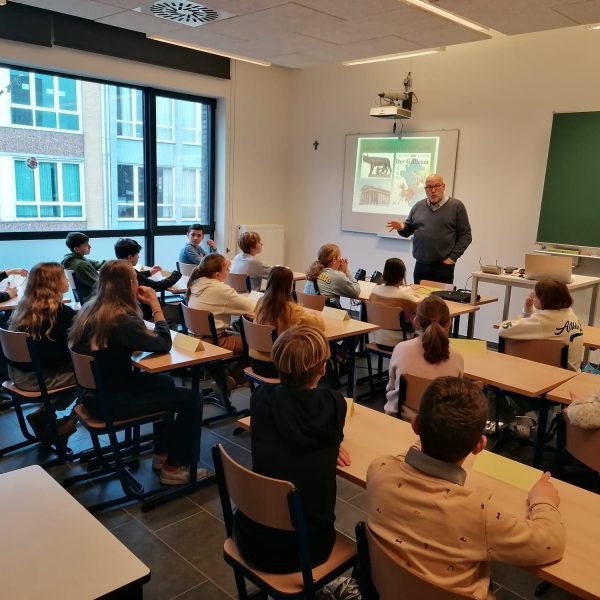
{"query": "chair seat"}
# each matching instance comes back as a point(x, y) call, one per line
point(250, 374)
point(344, 551)
point(11, 387)
point(377, 349)
point(97, 425)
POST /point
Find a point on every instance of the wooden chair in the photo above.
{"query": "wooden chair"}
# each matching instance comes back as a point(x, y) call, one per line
point(260, 338)
point(201, 323)
point(382, 577)
point(273, 503)
point(437, 284)
point(240, 282)
point(314, 301)
point(112, 460)
point(19, 348)
point(410, 392)
point(75, 286)
point(185, 268)
point(387, 317)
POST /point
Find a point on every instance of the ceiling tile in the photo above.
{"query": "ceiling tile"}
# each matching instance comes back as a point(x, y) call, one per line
point(128, 4)
point(350, 9)
point(140, 22)
point(366, 49)
point(242, 7)
point(294, 61)
point(86, 9)
point(581, 12)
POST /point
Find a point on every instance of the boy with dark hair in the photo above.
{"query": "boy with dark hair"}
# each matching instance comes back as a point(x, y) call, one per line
point(85, 270)
point(129, 250)
point(440, 530)
point(192, 253)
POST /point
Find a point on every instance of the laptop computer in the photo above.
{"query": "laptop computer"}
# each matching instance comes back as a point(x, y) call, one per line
point(545, 266)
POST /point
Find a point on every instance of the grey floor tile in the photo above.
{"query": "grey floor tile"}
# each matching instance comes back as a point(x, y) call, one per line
point(208, 499)
point(171, 574)
point(204, 591)
point(165, 514)
point(504, 594)
point(111, 519)
point(200, 540)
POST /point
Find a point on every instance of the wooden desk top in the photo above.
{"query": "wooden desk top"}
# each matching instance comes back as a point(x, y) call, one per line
point(53, 547)
point(579, 281)
point(337, 330)
point(153, 362)
point(369, 434)
point(12, 303)
point(591, 337)
point(512, 373)
point(181, 285)
point(582, 385)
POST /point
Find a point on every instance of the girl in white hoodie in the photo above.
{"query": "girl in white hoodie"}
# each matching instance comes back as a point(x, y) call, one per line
point(207, 290)
point(548, 316)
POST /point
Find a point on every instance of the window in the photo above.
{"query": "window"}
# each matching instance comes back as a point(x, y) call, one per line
point(130, 191)
point(130, 113)
point(191, 114)
point(164, 198)
point(50, 191)
point(44, 101)
point(191, 208)
point(164, 119)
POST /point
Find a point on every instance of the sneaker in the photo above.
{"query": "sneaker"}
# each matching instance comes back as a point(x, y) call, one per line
point(158, 461)
point(181, 476)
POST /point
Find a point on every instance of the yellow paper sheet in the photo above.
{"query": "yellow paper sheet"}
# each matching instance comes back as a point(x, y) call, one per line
point(424, 290)
point(504, 469)
point(187, 342)
point(468, 346)
point(350, 407)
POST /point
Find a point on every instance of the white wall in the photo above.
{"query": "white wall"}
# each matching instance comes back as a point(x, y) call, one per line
point(500, 94)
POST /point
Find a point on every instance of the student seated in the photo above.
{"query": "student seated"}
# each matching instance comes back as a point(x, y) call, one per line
point(585, 413)
point(42, 314)
point(128, 249)
point(192, 253)
point(428, 356)
point(394, 292)
point(330, 277)
point(85, 269)
point(110, 327)
point(296, 432)
point(441, 530)
point(10, 292)
point(276, 308)
point(548, 316)
point(247, 262)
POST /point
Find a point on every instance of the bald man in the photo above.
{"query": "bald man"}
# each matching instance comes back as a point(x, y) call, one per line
point(441, 230)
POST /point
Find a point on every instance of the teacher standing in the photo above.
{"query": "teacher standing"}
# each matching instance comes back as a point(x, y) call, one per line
point(441, 232)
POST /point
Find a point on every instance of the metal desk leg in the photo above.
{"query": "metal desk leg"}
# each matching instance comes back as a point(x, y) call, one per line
point(471, 318)
point(506, 308)
point(351, 360)
point(541, 433)
point(593, 303)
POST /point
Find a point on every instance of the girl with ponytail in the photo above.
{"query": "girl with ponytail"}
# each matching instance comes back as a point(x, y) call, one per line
point(428, 356)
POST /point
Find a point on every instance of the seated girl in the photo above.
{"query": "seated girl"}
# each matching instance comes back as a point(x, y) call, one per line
point(330, 277)
point(42, 314)
point(247, 262)
point(297, 429)
point(548, 316)
point(276, 308)
point(394, 292)
point(110, 327)
point(428, 356)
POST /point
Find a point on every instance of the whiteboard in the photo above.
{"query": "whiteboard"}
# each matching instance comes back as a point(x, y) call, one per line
point(272, 236)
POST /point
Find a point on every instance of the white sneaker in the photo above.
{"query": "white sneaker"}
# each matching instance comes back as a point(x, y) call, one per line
point(181, 476)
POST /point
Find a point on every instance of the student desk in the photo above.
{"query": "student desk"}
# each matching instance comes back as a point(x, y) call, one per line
point(369, 434)
point(582, 385)
point(514, 374)
point(13, 302)
point(52, 547)
point(580, 282)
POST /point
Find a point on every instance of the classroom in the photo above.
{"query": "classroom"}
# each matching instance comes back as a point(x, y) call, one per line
point(279, 156)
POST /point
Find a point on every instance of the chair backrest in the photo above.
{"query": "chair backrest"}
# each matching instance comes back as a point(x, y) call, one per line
point(258, 337)
point(200, 322)
point(385, 576)
point(389, 317)
point(240, 282)
point(411, 391)
point(314, 301)
point(185, 268)
point(548, 352)
point(72, 279)
point(14, 346)
point(82, 366)
point(583, 444)
point(437, 284)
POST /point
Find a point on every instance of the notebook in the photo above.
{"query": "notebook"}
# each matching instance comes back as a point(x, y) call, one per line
point(544, 266)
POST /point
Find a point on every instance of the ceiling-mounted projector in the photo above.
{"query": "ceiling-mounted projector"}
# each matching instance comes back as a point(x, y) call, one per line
point(390, 111)
point(395, 105)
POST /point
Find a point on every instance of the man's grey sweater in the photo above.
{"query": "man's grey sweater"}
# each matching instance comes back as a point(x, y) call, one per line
point(440, 234)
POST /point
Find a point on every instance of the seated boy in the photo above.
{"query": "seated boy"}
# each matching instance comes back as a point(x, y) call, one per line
point(444, 532)
point(85, 270)
point(192, 253)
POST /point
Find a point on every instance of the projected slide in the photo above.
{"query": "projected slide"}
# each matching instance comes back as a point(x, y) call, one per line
point(384, 175)
point(390, 173)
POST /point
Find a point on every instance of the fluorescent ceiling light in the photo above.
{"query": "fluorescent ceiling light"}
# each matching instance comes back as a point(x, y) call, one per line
point(166, 40)
point(447, 15)
point(373, 59)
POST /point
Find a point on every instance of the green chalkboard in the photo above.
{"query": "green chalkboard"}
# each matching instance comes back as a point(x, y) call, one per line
point(570, 212)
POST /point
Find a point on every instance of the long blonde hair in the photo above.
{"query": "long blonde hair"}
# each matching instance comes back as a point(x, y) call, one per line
point(328, 253)
point(115, 299)
point(37, 311)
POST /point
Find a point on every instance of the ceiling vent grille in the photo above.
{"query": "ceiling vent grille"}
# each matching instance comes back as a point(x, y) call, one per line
point(191, 14)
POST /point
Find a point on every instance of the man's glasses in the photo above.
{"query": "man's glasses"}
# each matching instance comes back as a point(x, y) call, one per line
point(435, 186)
